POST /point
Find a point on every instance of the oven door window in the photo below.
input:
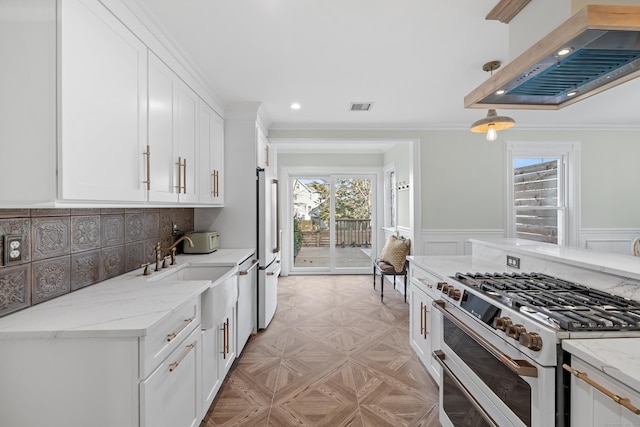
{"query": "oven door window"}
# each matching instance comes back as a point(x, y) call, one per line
point(459, 409)
point(505, 384)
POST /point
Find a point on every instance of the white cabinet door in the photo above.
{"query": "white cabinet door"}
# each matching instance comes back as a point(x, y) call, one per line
point(425, 322)
point(420, 304)
point(264, 157)
point(171, 395)
point(211, 156)
point(227, 342)
point(187, 149)
point(103, 104)
point(247, 295)
point(211, 378)
point(162, 162)
point(592, 408)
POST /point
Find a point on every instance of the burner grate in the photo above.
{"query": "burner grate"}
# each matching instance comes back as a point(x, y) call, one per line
point(571, 306)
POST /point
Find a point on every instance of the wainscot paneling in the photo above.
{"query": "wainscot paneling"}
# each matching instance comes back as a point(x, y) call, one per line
point(454, 242)
point(618, 240)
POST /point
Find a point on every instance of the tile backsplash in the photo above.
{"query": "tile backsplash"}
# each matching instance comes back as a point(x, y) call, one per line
point(68, 249)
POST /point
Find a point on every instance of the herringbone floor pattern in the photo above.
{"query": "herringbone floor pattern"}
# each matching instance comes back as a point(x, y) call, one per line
point(334, 355)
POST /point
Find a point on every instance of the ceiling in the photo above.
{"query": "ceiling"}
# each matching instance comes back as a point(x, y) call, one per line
point(415, 59)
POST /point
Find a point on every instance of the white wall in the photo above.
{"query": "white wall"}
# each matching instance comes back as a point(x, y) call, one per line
point(462, 181)
point(399, 155)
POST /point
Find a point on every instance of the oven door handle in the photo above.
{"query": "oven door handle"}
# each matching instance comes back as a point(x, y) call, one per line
point(439, 356)
point(520, 367)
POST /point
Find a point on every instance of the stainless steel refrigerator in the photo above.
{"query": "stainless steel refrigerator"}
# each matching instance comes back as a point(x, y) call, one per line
point(268, 243)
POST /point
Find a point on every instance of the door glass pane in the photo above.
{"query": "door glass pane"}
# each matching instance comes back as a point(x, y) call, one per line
point(311, 221)
point(353, 222)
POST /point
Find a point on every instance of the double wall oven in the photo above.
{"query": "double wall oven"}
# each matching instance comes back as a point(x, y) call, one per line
point(500, 350)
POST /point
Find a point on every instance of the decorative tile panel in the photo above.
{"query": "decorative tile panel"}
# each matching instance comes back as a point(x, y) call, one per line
point(51, 278)
point(85, 233)
point(134, 255)
point(112, 229)
point(151, 223)
point(62, 248)
point(85, 269)
point(50, 237)
point(134, 227)
point(14, 213)
point(50, 212)
point(20, 226)
point(112, 262)
point(15, 288)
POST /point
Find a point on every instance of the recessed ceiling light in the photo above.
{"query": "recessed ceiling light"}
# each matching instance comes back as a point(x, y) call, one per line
point(564, 51)
point(500, 92)
point(572, 93)
point(295, 106)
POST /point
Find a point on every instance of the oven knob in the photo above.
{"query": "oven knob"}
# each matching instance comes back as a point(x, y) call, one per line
point(531, 340)
point(454, 293)
point(514, 331)
point(445, 288)
point(502, 323)
point(440, 284)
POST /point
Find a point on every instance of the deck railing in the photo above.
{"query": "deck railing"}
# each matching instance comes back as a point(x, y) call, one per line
point(349, 232)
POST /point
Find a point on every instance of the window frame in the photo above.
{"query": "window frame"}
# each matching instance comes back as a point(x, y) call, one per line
point(569, 155)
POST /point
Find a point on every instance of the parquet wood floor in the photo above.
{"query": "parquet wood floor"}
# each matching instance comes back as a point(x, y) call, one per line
point(333, 355)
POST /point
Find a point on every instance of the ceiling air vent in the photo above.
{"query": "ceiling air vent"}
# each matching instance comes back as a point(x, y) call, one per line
point(361, 106)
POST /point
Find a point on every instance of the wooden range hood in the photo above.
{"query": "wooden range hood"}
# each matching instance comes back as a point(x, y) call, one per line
point(604, 51)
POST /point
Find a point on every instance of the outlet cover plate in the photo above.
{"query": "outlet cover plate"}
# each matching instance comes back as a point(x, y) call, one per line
point(13, 248)
point(513, 262)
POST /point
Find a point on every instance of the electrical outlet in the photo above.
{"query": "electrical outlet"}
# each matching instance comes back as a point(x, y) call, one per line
point(513, 262)
point(12, 248)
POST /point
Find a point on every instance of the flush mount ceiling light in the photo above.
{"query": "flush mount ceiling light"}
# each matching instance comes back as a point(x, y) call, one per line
point(295, 106)
point(492, 124)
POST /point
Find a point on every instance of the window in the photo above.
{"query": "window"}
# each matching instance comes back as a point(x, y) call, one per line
point(542, 192)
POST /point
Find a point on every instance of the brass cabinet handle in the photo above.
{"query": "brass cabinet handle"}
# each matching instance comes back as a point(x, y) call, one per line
point(216, 181)
point(439, 356)
point(619, 400)
point(175, 364)
point(424, 314)
point(148, 154)
point(185, 323)
point(520, 367)
point(277, 185)
point(254, 264)
point(179, 186)
point(422, 325)
point(225, 339)
point(184, 178)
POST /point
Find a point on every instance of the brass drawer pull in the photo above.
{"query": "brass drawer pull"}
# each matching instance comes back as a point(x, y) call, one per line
point(254, 264)
point(619, 400)
point(185, 323)
point(175, 364)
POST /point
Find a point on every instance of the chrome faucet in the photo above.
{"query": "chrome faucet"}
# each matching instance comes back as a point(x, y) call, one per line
point(171, 248)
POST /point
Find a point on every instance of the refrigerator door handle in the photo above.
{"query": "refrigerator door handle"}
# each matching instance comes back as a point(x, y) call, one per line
point(277, 230)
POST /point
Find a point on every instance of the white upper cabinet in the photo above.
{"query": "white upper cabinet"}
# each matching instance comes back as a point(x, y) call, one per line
point(162, 161)
point(102, 106)
point(187, 144)
point(211, 166)
point(173, 140)
point(264, 156)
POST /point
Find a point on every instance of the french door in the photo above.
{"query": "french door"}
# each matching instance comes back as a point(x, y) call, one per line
point(332, 223)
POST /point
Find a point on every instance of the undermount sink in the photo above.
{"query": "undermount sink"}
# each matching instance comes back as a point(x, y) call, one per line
point(218, 299)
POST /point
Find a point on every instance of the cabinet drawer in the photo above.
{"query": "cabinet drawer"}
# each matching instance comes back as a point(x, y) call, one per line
point(425, 280)
point(164, 337)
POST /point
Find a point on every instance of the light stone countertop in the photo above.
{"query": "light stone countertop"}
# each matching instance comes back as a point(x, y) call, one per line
point(450, 265)
point(605, 262)
point(616, 357)
point(124, 306)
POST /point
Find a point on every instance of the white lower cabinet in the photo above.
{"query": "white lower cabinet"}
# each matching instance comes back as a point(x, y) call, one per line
point(425, 322)
point(592, 408)
point(170, 396)
point(218, 354)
